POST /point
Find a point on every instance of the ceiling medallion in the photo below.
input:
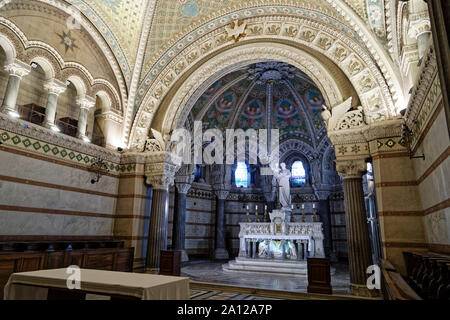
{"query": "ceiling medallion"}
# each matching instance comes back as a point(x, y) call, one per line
point(67, 41)
point(271, 71)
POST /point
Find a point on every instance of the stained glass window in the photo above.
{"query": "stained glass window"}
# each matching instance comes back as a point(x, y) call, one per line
point(197, 173)
point(241, 175)
point(298, 176)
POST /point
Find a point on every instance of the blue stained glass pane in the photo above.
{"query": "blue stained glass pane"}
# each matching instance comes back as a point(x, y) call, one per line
point(241, 175)
point(298, 177)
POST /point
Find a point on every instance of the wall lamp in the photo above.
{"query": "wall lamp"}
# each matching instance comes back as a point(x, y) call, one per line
point(99, 167)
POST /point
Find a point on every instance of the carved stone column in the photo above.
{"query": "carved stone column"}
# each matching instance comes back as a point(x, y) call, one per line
point(16, 70)
point(325, 218)
point(85, 103)
point(359, 249)
point(220, 251)
point(54, 88)
point(179, 217)
point(160, 175)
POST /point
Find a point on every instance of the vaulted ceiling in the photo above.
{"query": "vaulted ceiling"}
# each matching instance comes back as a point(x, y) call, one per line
point(142, 40)
point(162, 24)
point(264, 95)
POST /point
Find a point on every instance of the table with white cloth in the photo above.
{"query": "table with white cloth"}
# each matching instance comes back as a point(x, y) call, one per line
point(35, 285)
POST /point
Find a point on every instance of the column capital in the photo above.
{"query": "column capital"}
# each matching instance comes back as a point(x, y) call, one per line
point(18, 68)
point(323, 195)
point(55, 86)
point(182, 187)
point(86, 102)
point(418, 27)
point(222, 194)
point(160, 170)
point(351, 169)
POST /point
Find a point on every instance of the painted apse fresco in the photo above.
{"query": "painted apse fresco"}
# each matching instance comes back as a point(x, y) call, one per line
point(296, 102)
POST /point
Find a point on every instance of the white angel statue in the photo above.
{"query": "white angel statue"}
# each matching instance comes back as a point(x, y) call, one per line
point(281, 179)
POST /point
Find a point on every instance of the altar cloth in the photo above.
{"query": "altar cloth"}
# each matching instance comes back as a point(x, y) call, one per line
point(34, 284)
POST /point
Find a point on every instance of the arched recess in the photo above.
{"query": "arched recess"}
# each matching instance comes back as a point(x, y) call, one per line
point(79, 84)
point(105, 100)
point(173, 110)
point(50, 60)
point(47, 66)
point(98, 38)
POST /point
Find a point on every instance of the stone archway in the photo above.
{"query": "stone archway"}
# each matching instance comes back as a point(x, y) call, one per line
point(165, 111)
point(174, 109)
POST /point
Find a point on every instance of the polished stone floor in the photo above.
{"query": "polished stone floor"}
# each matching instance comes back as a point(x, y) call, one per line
point(211, 272)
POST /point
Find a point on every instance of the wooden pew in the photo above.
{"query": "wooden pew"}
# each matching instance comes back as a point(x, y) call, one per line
point(428, 273)
point(36, 255)
point(393, 286)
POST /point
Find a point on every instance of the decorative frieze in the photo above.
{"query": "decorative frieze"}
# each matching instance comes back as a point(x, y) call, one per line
point(23, 130)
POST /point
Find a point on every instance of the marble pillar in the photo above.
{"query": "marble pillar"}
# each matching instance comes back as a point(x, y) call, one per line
point(283, 249)
point(220, 251)
point(325, 218)
point(179, 219)
point(254, 250)
point(359, 249)
point(54, 88)
point(16, 70)
point(157, 237)
point(85, 105)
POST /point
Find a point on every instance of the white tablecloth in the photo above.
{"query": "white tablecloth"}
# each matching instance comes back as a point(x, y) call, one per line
point(35, 284)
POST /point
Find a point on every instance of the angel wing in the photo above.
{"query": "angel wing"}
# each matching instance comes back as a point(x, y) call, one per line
point(337, 112)
point(158, 137)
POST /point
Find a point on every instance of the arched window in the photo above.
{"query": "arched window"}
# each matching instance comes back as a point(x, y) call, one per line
point(241, 175)
point(298, 174)
point(197, 173)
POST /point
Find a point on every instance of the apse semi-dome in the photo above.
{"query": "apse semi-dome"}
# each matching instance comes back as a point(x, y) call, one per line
point(247, 97)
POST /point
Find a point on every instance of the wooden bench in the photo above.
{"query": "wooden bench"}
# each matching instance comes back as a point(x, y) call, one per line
point(40, 255)
point(393, 286)
point(428, 273)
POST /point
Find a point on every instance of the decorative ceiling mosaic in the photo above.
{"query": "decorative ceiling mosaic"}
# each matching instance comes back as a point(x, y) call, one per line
point(120, 22)
point(159, 54)
point(296, 102)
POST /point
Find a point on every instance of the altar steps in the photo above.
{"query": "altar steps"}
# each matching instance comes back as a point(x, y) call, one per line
point(281, 267)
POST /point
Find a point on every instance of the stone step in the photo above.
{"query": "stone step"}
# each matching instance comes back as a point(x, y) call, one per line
point(264, 269)
point(270, 266)
point(270, 262)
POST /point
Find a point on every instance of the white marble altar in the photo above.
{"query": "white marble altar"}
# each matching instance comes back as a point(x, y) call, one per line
point(278, 246)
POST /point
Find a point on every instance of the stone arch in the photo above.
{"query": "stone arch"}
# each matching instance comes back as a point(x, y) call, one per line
point(79, 84)
point(107, 93)
point(8, 47)
point(105, 99)
point(99, 39)
point(30, 50)
point(359, 56)
point(289, 146)
point(203, 76)
point(46, 65)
